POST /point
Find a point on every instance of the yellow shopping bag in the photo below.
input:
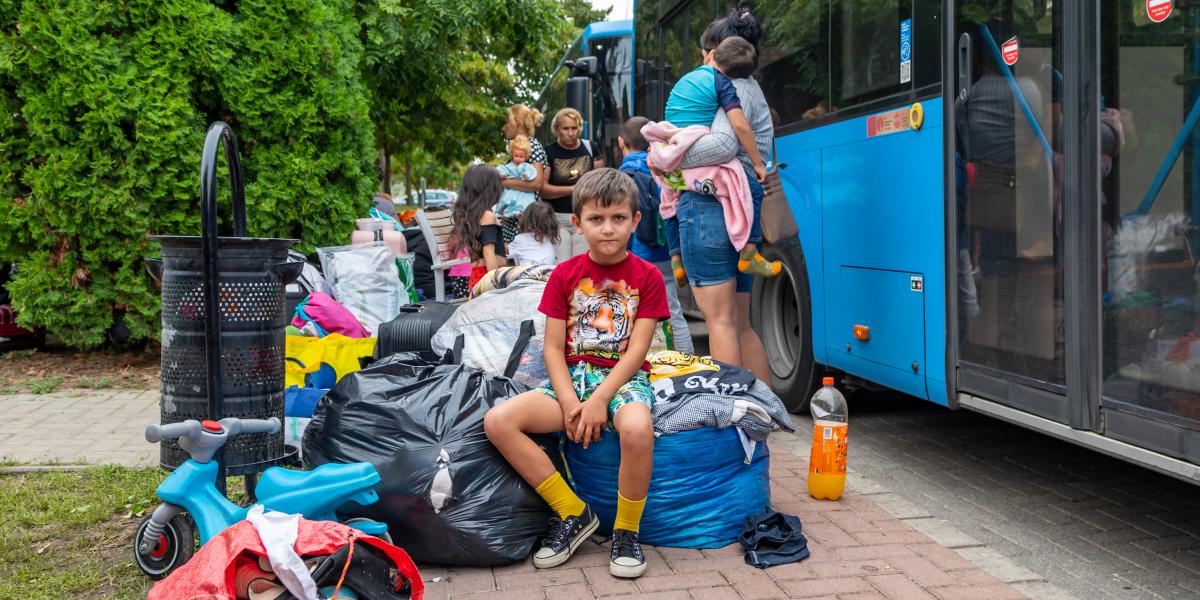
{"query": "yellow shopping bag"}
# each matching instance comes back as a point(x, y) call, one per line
point(321, 362)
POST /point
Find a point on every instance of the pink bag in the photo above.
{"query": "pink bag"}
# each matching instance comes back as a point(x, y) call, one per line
point(328, 316)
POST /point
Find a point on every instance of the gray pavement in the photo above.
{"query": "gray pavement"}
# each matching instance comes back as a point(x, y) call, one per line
point(1092, 525)
point(80, 426)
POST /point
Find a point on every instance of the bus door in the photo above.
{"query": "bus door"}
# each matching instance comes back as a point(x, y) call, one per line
point(1008, 251)
point(1149, 209)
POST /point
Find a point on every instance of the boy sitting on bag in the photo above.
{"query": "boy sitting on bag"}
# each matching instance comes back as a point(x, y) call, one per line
point(601, 309)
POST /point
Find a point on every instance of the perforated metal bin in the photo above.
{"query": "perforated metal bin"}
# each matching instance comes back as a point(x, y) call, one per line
point(251, 275)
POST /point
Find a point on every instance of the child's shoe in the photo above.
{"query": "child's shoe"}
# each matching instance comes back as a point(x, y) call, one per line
point(677, 270)
point(564, 538)
point(627, 558)
point(753, 263)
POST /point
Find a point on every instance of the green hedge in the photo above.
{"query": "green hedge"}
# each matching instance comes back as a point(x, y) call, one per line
point(105, 108)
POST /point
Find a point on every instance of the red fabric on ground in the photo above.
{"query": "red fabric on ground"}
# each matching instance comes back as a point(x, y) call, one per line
point(210, 573)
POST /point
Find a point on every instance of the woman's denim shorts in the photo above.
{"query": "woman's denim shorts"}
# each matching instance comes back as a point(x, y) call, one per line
point(708, 255)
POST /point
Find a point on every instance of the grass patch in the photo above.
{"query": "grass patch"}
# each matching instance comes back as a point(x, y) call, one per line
point(44, 386)
point(70, 535)
point(95, 383)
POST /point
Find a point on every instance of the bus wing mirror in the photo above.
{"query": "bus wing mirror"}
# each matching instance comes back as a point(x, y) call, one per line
point(587, 66)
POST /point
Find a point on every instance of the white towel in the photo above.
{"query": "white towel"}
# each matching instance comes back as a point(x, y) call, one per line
point(278, 532)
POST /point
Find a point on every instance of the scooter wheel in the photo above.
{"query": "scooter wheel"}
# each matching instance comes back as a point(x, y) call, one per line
point(174, 548)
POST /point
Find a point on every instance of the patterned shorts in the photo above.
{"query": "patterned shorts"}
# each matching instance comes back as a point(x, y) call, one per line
point(586, 377)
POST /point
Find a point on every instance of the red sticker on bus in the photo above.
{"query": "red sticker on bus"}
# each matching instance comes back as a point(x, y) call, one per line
point(1158, 10)
point(888, 122)
point(1011, 50)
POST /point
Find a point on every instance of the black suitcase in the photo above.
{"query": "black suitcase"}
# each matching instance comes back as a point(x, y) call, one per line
point(413, 329)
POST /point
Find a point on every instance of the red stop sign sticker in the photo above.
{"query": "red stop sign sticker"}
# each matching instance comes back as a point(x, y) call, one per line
point(1158, 10)
point(1011, 51)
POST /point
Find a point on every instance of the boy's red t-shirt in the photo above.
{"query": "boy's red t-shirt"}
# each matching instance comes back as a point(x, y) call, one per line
point(600, 304)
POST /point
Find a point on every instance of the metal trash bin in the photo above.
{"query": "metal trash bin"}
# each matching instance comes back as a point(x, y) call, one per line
point(251, 276)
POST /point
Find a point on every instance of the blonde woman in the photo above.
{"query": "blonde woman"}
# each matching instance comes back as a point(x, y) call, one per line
point(568, 159)
point(520, 120)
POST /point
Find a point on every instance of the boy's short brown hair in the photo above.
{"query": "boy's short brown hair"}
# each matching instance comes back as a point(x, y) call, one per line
point(736, 57)
point(631, 134)
point(606, 187)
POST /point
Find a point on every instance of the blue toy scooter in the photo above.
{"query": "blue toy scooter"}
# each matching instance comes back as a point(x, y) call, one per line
point(165, 539)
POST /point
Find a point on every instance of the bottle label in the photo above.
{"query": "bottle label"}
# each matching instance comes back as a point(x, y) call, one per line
point(829, 449)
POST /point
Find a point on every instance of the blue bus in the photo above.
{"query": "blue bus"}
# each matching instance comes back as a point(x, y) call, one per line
point(611, 90)
point(997, 201)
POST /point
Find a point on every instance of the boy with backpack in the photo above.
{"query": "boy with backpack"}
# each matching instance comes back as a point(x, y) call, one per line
point(650, 240)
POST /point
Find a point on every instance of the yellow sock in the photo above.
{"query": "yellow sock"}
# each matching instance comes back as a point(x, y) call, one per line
point(629, 513)
point(555, 491)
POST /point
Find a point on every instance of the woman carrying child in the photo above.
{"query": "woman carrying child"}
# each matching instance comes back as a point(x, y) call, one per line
point(520, 120)
point(476, 231)
point(717, 272)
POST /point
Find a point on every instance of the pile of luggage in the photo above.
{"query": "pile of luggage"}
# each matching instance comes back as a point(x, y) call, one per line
point(405, 386)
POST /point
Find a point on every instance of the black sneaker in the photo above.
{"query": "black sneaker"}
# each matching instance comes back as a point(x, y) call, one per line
point(627, 558)
point(564, 538)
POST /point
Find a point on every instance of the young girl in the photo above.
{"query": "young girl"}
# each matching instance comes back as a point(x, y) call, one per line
point(476, 233)
point(539, 233)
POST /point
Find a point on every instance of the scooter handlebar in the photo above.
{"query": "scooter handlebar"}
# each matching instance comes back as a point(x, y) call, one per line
point(157, 433)
point(254, 425)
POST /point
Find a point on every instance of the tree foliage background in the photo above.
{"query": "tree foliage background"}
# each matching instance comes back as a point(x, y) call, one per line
point(105, 105)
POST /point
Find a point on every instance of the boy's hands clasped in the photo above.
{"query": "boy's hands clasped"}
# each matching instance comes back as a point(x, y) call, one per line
point(587, 420)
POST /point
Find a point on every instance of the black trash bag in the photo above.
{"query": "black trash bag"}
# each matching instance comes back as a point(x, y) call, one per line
point(447, 495)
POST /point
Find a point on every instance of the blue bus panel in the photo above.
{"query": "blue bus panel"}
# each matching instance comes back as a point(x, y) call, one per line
point(872, 226)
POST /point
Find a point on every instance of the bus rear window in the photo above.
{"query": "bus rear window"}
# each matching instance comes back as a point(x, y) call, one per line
point(865, 49)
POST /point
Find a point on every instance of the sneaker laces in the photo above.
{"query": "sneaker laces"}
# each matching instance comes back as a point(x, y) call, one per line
point(558, 532)
point(626, 544)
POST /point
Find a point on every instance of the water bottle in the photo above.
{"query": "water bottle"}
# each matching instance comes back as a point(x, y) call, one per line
point(827, 462)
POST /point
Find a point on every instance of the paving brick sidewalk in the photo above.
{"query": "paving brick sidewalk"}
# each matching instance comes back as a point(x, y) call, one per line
point(97, 427)
point(860, 551)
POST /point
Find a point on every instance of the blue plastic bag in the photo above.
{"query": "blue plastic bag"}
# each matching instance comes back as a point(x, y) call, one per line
point(701, 490)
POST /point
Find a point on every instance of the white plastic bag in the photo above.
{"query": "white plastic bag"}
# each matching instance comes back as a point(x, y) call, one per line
point(491, 325)
point(365, 280)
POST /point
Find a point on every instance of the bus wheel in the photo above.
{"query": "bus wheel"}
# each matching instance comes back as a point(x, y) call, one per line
point(779, 312)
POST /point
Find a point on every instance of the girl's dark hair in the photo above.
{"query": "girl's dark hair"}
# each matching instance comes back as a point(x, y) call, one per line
point(480, 190)
point(739, 22)
point(539, 220)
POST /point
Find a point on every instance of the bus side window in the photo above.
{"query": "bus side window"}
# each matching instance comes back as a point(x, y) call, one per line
point(793, 68)
point(865, 49)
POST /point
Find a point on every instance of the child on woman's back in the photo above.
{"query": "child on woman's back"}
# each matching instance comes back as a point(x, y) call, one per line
point(539, 233)
point(512, 201)
point(476, 232)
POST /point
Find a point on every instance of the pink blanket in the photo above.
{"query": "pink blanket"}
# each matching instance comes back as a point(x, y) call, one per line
point(726, 181)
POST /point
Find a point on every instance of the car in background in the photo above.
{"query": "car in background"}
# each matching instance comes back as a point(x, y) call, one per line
point(440, 197)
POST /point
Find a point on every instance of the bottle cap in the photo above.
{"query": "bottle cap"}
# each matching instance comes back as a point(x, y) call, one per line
point(827, 381)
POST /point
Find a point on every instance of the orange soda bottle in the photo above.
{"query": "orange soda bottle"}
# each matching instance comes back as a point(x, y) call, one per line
point(827, 462)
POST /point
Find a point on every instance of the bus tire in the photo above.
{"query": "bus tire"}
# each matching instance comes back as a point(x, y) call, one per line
point(780, 311)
